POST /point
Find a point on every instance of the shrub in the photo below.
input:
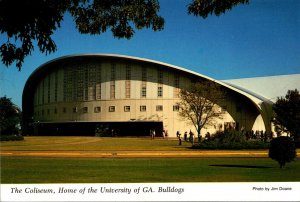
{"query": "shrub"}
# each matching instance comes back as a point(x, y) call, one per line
point(230, 136)
point(11, 138)
point(282, 150)
point(230, 140)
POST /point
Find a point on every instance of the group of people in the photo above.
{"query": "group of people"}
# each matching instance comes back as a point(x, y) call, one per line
point(191, 137)
point(188, 137)
point(164, 133)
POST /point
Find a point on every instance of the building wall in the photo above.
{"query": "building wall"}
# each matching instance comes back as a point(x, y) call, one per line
point(87, 91)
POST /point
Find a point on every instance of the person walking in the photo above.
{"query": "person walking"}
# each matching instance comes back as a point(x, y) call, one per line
point(151, 134)
point(192, 137)
point(185, 136)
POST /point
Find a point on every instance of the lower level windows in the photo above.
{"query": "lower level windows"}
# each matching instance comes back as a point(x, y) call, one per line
point(85, 109)
point(126, 108)
point(97, 109)
point(159, 107)
point(75, 109)
point(143, 108)
point(143, 92)
point(112, 109)
point(175, 108)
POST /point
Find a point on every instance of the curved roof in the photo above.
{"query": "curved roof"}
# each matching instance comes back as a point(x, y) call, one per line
point(262, 104)
point(256, 99)
point(264, 86)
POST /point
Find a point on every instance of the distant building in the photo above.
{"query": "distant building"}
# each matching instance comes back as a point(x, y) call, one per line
point(129, 96)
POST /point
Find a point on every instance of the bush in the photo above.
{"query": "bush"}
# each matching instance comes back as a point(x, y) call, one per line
point(11, 138)
point(230, 140)
point(282, 150)
point(230, 136)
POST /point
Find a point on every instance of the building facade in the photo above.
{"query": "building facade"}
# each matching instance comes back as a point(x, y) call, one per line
point(129, 96)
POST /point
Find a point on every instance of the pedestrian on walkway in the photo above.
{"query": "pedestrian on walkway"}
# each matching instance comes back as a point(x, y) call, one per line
point(192, 137)
point(152, 133)
point(166, 134)
point(185, 136)
point(177, 133)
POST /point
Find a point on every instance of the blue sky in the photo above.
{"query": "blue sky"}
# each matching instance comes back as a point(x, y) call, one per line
point(259, 39)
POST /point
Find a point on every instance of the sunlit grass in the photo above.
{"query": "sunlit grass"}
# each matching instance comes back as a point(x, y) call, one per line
point(92, 144)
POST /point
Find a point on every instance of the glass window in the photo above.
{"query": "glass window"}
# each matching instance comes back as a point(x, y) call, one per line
point(144, 92)
point(97, 109)
point(160, 76)
point(159, 107)
point(127, 89)
point(112, 90)
point(112, 108)
point(143, 108)
point(126, 108)
point(85, 109)
point(176, 86)
point(160, 91)
point(75, 109)
point(113, 81)
point(175, 108)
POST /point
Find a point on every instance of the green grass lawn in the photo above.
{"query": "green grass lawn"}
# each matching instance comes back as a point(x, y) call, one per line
point(52, 143)
point(130, 170)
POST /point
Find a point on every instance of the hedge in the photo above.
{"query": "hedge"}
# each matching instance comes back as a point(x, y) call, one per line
point(230, 140)
point(11, 138)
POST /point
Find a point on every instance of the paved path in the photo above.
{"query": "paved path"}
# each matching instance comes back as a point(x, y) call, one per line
point(137, 154)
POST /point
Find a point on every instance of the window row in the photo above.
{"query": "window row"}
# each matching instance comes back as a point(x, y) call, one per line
point(97, 109)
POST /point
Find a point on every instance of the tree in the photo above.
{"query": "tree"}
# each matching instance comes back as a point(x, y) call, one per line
point(10, 116)
point(282, 150)
point(203, 8)
point(198, 104)
point(28, 21)
point(287, 114)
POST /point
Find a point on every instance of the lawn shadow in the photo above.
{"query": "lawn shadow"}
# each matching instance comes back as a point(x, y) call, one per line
point(238, 166)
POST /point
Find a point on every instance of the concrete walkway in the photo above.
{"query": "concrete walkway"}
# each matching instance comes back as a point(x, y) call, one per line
point(139, 154)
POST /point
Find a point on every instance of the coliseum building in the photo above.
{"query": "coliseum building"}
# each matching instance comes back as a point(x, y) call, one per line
point(74, 95)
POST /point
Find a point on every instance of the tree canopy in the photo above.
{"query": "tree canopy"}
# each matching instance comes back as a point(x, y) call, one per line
point(10, 116)
point(282, 150)
point(28, 22)
point(198, 104)
point(203, 8)
point(287, 114)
